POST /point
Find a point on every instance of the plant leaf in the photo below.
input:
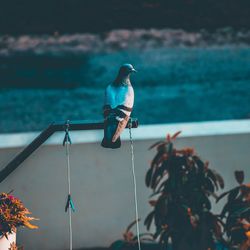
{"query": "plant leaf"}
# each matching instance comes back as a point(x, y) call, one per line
point(156, 144)
point(225, 193)
point(29, 225)
point(175, 135)
point(239, 176)
point(148, 177)
point(131, 225)
point(233, 194)
point(149, 219)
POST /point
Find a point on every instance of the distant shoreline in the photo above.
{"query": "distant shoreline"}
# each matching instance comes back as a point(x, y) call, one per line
point(118, 40)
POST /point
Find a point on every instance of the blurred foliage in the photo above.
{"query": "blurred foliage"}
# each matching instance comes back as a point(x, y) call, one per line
point(182, 184)
point(130, 240)
point(13, 214)
point(236, 214)
point(13, 246)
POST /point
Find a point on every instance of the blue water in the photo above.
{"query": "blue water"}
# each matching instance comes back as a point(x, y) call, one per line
point(172, 85)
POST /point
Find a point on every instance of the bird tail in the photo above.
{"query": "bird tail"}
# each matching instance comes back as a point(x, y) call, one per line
point(110, 144)
point(110, 128)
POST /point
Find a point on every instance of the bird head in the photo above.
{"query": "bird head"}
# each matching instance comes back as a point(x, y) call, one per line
point(126, 69)
point(124, 74)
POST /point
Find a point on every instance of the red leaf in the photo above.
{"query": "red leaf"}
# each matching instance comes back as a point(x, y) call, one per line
point(175, 135)
point(168, 137)
point(156, 144)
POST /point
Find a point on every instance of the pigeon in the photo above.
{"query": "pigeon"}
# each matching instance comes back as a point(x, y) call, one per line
point(118, 105)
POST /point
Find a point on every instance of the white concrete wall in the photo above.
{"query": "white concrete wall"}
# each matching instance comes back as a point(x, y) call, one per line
point(102, 186)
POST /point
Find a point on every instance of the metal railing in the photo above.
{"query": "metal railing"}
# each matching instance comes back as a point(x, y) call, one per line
point(44, 135)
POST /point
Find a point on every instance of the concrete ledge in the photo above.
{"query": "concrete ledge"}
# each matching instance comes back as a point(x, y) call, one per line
point(143, 132)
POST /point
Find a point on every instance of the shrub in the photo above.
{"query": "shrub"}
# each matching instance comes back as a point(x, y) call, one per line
point(182, 184)
point(236, 214)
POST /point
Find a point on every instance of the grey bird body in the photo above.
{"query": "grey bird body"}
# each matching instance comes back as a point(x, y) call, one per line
point(118, 105)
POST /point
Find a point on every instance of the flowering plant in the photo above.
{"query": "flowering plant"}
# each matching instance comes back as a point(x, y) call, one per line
point(13, 214)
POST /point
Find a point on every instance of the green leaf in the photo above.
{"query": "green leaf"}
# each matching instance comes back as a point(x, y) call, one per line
point(148, 177)
point(239, 176)
point(131, 225)
point(149, 219)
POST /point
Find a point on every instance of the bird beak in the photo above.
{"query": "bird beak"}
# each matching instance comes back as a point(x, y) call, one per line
point(133, 71)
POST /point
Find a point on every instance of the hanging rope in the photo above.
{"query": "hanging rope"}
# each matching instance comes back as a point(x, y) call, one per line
point(69, 204)
point(134, 181)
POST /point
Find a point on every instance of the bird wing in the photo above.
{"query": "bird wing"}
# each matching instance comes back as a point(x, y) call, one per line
point(121, 97)
point(125, 100)
point(108, 100)
point(125, 104)
point(121, 126)
point(109, 96)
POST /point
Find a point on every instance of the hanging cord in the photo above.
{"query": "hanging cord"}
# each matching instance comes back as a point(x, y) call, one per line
point(69, 204)
point(134, 180)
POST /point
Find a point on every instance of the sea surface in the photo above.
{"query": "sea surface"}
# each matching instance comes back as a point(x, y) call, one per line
point(175, 82)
